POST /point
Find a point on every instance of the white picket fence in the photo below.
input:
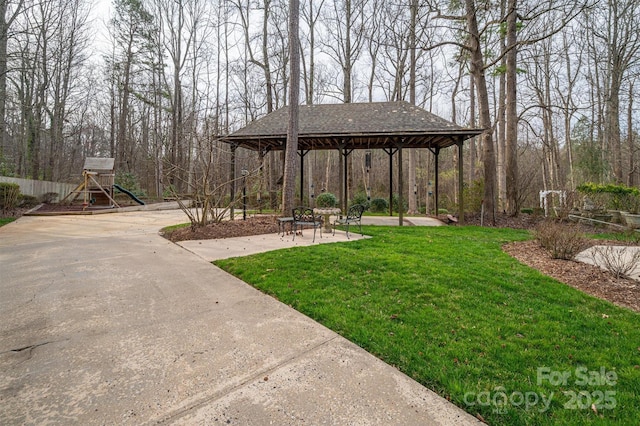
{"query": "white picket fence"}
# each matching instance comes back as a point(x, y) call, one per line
point(40, 187)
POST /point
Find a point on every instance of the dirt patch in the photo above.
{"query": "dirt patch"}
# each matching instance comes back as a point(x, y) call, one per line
point(254, 225)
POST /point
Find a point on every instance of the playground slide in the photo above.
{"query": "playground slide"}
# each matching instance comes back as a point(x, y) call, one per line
point(133, 197)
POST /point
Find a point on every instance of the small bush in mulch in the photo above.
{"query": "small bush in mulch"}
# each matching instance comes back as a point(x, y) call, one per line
point(9, 196)
point(561, 240)
point(28, 201)
point(379, 205)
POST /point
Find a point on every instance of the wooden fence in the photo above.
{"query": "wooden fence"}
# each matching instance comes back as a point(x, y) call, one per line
point(40, 187)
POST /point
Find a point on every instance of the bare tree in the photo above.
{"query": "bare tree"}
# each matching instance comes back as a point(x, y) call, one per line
point(9, 11)
point(345, 39)
point(68, 57)
point(311, 13)
point(511, 113)
point(263, 63)
point(478, 72)
point(132, 29)
point(620, 39)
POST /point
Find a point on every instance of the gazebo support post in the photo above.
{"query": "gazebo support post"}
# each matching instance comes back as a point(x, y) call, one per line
point(436, 191)
point(232, 179)
point(345, 183)
point(390, 152)
point(261, 155)
point(302, 153)
point(344, 165)
point(342, 173)
point(390, 182)
point(460, 182)
point(400, 185)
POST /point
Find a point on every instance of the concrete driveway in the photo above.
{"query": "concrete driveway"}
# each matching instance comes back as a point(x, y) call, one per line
point(102, 321)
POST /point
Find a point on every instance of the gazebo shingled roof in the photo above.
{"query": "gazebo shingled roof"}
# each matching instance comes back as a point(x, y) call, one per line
point(376, 125)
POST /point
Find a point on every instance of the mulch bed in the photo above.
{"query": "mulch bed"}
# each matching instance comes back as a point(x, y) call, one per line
point(587, 278)
point(254, 225)
point(76, 207)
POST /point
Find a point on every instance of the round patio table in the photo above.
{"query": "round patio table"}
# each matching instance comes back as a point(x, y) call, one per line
point(326, 212)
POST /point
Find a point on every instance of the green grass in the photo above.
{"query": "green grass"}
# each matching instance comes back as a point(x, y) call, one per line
point(5, 220)
point(629, 236)
point(447, 307)
point(171, 228)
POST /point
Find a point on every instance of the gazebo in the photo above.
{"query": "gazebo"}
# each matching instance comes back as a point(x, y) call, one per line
point(389, 126)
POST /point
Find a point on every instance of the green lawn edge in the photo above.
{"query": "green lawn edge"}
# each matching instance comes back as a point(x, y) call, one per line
point(6, 220)
point(449, 308)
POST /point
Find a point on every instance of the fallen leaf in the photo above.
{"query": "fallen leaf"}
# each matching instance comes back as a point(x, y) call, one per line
point(594, 408)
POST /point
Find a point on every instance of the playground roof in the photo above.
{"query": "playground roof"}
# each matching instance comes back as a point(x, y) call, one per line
point(374, 125)
point(98, 163)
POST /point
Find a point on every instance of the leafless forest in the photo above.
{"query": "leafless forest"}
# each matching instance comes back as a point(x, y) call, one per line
point(156, 83)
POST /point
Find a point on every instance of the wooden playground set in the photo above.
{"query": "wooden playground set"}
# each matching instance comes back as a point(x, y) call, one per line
point(97, 189)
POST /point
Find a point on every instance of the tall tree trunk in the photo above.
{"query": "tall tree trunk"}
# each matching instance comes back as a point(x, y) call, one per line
point(413, 184)
point(511, 116)
point(613, 125)
point(347, 70)
point(121, 141)
point(5, 23)
point(472, 123)
point(501, 120)
point(265, 54)
point(630, 134)
point(477, 70)
point(290, 162)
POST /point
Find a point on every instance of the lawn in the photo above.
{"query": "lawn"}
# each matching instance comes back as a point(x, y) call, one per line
point(446, 306)
point(5, 220)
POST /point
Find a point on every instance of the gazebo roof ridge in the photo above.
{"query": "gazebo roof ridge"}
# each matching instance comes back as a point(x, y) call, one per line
point(356, 125)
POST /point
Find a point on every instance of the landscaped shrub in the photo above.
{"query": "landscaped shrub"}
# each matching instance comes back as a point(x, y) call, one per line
point(620, 261)
point(613, 197)
point(405, 204)
point(28, 201)
point(129, 181)
point(48, 197)
point(560, 240)
point(361, 198)
point(379, 205)
point(326, 199)
point(9, 196)
point(473, 195)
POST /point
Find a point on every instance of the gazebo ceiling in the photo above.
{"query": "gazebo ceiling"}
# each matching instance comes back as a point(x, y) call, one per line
point(375, 125)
